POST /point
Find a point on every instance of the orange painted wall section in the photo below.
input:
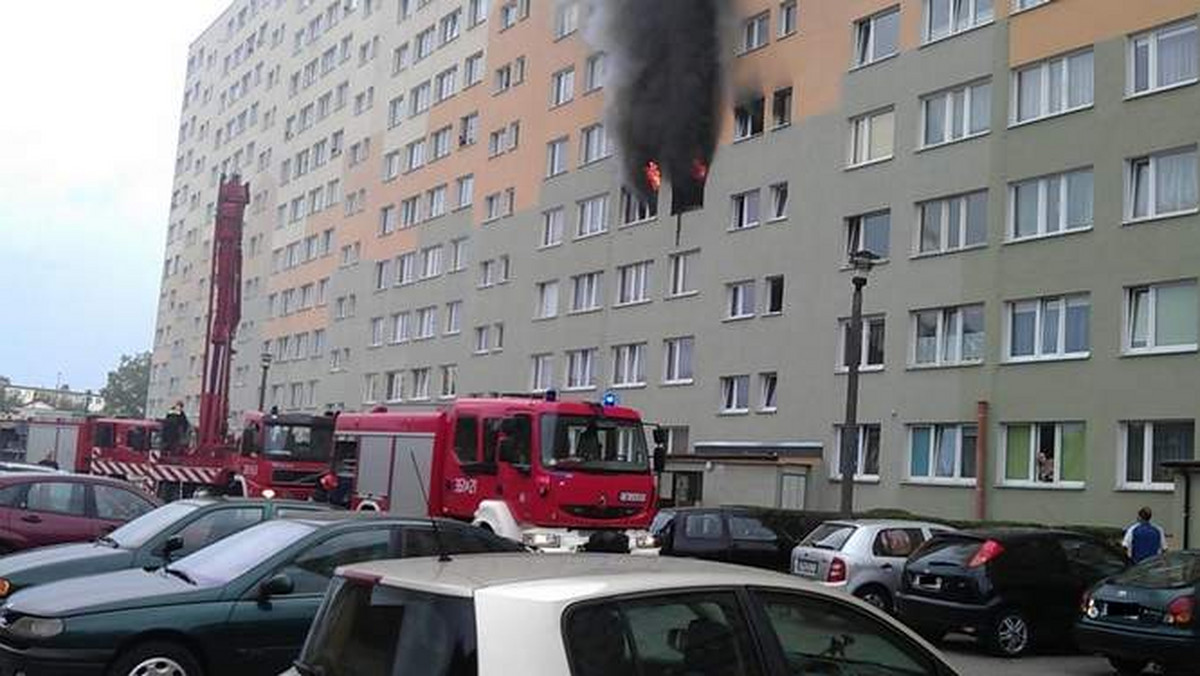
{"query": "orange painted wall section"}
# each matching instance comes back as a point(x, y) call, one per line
point(1063, 25)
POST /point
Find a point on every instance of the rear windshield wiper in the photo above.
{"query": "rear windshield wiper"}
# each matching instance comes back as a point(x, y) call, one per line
point(307, 669)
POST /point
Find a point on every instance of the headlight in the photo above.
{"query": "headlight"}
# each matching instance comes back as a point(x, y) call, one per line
point(645, 541)
point(542, 540)
point(36, 627)
point(5, 587)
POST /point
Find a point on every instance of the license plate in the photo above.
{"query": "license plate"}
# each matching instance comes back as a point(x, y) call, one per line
point(806, 568)
point(931, 582)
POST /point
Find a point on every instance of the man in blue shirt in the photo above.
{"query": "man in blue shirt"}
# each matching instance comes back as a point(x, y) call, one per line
point(1144, 539)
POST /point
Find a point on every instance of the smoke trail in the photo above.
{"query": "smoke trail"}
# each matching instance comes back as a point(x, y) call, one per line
point(665, 81)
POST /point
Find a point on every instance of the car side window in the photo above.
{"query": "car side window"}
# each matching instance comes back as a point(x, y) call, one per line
point(12, 496)
point(820, 636)
point(699, 633)
point(285, 512)
point(466, 438)
point(703, 527)
point(897, 542)
point(743, 527)
point(60, 497)
point(1090, 560)
point(311, 569)
point(118, 504)
point(216, 525)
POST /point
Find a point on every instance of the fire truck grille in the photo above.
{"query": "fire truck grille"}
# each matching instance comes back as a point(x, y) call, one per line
point(602, 513)
point(294, 477)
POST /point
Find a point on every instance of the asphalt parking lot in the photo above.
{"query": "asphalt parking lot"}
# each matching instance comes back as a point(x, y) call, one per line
point(970, 660)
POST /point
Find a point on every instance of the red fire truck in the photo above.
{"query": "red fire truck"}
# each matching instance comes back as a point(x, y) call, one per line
point(282, 455)
point(552, 474)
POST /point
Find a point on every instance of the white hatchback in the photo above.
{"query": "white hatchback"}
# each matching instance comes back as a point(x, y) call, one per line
point(598, 615)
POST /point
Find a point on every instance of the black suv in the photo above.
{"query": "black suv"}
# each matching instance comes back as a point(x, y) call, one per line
point(1010, 588)
point(749, 536)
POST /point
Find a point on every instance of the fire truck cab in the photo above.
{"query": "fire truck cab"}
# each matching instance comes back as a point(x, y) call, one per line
point(286, 453)
point(551, 474)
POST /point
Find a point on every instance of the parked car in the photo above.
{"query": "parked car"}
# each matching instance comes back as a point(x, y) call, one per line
point(142, 543)
point(864, 557)
point(1011, 588)
point(240, 606)
point(38, 509)
point(10, 467)
point(749, 536)
point(598, 615)
point(1146, 614)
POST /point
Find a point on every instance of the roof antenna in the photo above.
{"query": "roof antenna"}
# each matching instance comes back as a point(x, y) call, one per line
point(443, 556)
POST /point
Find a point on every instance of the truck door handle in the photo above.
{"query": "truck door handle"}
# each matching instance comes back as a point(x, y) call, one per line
point(31, 518)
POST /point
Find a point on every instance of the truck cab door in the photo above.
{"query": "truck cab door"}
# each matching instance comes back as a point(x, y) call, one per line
point(514, 476)
point(469, 471)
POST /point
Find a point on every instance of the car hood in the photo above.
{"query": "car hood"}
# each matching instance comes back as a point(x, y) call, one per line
point(122, 590)
point(59, 562)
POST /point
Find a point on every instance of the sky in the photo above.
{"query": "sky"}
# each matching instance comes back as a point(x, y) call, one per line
point(88, 129)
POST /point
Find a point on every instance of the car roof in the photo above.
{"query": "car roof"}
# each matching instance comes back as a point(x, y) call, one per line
point(206, 500)
point(563, 578)
point(887, 523)
point(333, 518)
point(1007, 534)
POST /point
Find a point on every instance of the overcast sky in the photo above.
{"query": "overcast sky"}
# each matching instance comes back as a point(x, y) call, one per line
point(92, 94)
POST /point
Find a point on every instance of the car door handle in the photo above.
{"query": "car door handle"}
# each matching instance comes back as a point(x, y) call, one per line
point(886, 566)
point(31, 518)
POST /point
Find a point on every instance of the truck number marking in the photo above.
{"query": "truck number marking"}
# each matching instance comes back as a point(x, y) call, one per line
point(465, 486)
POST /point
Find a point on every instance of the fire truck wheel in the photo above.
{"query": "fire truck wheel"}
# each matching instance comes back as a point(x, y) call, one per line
point(156, 658)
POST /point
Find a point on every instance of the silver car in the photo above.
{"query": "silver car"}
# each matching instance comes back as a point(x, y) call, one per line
point(861, 557)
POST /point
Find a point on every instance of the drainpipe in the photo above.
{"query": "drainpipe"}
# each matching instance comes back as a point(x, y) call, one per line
point(1187, 508)
point(981, 456)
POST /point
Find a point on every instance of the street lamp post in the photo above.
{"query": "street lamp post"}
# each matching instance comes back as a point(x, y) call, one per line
point(861, 262)
point(262, 387)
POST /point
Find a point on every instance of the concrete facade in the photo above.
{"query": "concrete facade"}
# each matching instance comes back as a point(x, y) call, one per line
point(1084, 402)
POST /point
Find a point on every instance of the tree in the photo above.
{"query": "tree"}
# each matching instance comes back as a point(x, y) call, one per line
point(127, 387)
point(9, 401)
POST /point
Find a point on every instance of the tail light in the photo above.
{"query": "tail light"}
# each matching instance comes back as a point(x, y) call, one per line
point(837, 571)
point(1087, 606)
point(988, 552)
point(1181, 610)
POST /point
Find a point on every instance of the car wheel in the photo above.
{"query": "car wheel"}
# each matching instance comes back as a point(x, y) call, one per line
point(1010, 634)
point(876, 596)
point(156, 658)
point(1127, 667)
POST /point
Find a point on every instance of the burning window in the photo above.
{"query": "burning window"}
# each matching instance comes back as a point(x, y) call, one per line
point(748, 118)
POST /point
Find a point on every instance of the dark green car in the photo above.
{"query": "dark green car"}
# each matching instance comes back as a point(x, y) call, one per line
point(197, 523)
point(240, 606)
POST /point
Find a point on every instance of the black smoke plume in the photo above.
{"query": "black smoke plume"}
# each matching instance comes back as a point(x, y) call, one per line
point(665, 83)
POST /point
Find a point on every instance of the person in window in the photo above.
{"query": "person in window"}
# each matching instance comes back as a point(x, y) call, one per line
point(588, 446)
point(1045, 467)
point(51, 460)
point(1144, 539)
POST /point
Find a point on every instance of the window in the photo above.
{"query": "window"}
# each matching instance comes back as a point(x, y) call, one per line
point(754, 32)
point(948, 336)
point(556, 157)
point(871, 137)
point(431, 262)
point(593, 216)
point(774, 288)
point(410, 212)
point(947, 17)
point(1028, 4)
point(594, 72)
point(1161, 185)
point(446, 84)
point(371, 388)
point(741, 302)
point(877, 37)
point(449, 26)
point(586, 292)
point(678, 360)
point(420, 383)
point(477, 12)
point(1049, 328)
point(449, 388)
point(453, 317)
point(956, 114)
point(629, 365)
point(682, 279)
point(593, 144)
point(401, 327)
point(566, 19)
point(312, 569)
point(425, 41)
point(635, 209)
point(580, 374)
point(376, 331)
point(473, 70)
point(406, 265)
point(768, 385)
point(383, 275)
point(735, 394)
point(1161, 318)
point(437, 201)
point(779, 201)
point(1045, 453)
point(468, 129)
point(866, 461)
point(211, 527)
point(787, 18)
point(748, 119)
point(552, 227)
point(952, 223)
point(482, 340)
point(542, 372)
point(1053, 87)
point(869, 232)
point(547, 295)
point(118, 504)
point(562, 87)
point(395, 386)
point(781, 107)
point(873, 340)
point(387, 219)
point(465, 187)
point(745, 210)
point(633, 283)
point(1163, 58)
point(942, 452)
point(1147, 445)
point(1051, 205)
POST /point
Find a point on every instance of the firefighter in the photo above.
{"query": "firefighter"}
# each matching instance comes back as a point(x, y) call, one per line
point(175, 429)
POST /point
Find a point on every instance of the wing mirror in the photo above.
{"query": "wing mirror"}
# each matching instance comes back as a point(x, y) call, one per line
point(278, 585)
point(172, 545)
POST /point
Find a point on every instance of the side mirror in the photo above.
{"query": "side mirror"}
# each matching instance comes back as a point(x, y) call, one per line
point(277, 585)
point(661, 436)
point(660, 459)
point(169, 547)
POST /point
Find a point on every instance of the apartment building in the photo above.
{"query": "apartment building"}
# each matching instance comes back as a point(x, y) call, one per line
point(437, 210)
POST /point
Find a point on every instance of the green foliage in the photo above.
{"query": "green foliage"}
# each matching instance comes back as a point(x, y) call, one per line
point(127, 387)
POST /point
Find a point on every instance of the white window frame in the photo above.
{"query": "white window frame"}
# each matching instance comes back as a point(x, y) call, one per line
point(1040, 307)
point(967, 92)
point(562, 87)
point(682, 277)
point(453, 318)
point(959, 336)
point(587, 292)
point(547, 299)
point(860, 139)
point(869, 48)
point(741, 300)
point(937, 432)
point(835, 469)
point(553, 225)
point(864, 366)
point(1152, 39)
point(741, 217)
point(581, 369)
point(593, 216)
point(1064, 200)
point(768, 392)
point(633, 284)
point(1152, 346)
point(629, 365)
point(973, 21)
point(1152, 162)
point(556, 157)
point(1148, 483)
point(756, 32)
point(541, 376)
point(1045, 66)
point(731, 387)
point(942, 204)
point(674, 363)
point(1058, 482)
point(789, 18)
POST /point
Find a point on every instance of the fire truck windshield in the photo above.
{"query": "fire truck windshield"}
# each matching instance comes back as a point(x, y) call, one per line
point(298, 442)
point(588, 443)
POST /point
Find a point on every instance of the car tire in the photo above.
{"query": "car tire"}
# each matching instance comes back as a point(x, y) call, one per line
point(1009, 634)
point(1128, 667)
point(156, 658)
point(875, 595)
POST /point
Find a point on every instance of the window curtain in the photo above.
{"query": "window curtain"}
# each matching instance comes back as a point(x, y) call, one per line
point(1177, 57)
point(977, 225)
point(1029, 93)
point(1176, 182)
point(1172, 441)
point(1080, 80)
point(1176, 315)
point(981, 108)
point(919, 452)
point(1080, 198)
point(1024, 319)
point(1016, 453)
point(1079, 313)
point(1074, 452)
point(947, 450)
point(935, 119)
point(1135, 452)
point(970, 438)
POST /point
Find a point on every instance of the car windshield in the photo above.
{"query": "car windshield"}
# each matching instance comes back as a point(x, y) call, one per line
point(365, 630)
point(1171, 570)
point(224, 561)
point(661, 521)
point(298, 442)
point(589, 443)
point(137, 532)
point(829, 536)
